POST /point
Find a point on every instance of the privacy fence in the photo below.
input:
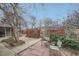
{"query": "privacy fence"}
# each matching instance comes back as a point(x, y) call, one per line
point(36, 33)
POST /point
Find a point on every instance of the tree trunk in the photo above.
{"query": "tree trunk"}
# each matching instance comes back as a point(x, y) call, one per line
point(15, 34)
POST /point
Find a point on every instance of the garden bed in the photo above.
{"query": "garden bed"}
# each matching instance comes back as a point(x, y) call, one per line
point(70, 52)
point(10, 43)
point(54, 53)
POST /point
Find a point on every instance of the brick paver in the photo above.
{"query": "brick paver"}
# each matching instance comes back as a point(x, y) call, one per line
point(36, 50)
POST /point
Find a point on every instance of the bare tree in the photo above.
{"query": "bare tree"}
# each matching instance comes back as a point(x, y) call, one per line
point(33, 22)
point(12, 17)
point(40, 24)
point(72, 22)
point(47, 22)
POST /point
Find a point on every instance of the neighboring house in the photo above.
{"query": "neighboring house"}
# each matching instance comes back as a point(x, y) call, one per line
point(5, 30)
point(76, 31)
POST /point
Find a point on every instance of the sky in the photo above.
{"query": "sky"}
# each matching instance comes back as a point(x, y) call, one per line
point(55, 11)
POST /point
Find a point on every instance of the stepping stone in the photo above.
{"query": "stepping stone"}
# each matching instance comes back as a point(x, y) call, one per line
point(54, 47)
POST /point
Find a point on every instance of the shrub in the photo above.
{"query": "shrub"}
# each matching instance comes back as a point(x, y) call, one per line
point(66, 42)
point(71, 43)
point(53, 38)
point(56, 38)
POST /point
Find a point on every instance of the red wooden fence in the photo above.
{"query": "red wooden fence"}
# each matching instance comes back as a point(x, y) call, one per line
point(35, 33)
point(59, 31)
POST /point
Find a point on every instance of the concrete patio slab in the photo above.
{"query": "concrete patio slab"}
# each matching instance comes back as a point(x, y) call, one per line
point(27, 44)
point(5, 51)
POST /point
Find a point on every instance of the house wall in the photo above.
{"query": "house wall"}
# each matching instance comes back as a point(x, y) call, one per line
point(76, 31)
point(5, 31)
